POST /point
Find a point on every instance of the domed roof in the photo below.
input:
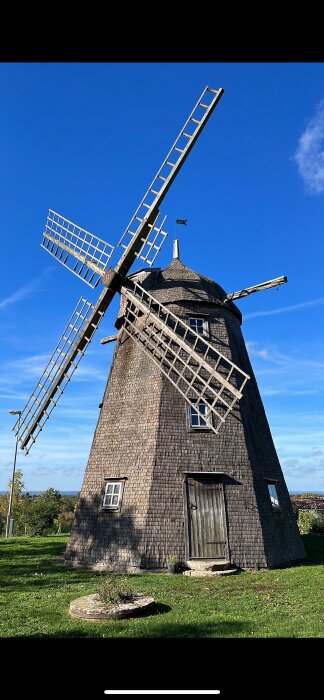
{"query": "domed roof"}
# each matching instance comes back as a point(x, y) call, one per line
point(177, 282)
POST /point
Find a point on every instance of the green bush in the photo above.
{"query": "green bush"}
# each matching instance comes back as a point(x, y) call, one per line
point(295, 508)
point(318, 525)
point(115, 590)
point(308, 495)
point(310, 521)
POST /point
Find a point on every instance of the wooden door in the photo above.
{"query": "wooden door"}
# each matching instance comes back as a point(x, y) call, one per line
point(206, 518)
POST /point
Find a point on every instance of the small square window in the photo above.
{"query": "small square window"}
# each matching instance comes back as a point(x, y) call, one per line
point(273, 496)
point(197, 417)
point(113, 494)
point(199, 325)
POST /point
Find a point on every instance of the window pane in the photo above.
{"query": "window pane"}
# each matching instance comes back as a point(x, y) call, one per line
point(109, 488)
point(116, 488)
point(194, 417)
point(273, 495)
point(115, 500)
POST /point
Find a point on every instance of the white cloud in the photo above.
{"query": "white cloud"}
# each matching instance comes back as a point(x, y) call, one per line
point(310, 152)
point(264, 353)
point(316, 452)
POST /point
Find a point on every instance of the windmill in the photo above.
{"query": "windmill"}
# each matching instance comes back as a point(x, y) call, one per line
point(166, 355)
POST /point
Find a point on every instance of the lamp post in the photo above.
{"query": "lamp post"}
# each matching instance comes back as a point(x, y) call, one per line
point(12, 413)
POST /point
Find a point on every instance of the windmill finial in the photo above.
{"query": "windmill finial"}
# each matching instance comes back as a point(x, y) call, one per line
point(176, 252)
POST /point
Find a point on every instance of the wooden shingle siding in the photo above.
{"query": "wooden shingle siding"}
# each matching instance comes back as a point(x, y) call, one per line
point(143, 435)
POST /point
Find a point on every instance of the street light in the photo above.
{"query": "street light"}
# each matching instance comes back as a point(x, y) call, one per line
point(12, 413)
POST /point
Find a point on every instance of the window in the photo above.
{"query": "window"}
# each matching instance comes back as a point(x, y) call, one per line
point(113, 494)
point(199, 325)
point(273, 496)
point(196, 420)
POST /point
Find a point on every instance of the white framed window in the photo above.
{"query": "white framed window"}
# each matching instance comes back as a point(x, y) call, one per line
point(113, 495)
point(199, 324)
point(198, 421)
point(273, 495)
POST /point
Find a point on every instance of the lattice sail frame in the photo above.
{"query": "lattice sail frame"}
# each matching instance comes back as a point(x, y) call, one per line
point(197, 369)
point(153, 243)
point(62, 239)
point(44, 391)
point(173, 161)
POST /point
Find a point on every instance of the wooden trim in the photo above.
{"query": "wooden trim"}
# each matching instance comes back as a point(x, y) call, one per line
point(115, 478)
point(195, 428)
point(186, 518)
point(204, 473)
point(112, 508)
point(226, 523)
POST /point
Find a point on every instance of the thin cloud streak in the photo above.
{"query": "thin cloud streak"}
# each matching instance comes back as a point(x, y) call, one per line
point(297, 373)
point(286, 309)
point(25, 291)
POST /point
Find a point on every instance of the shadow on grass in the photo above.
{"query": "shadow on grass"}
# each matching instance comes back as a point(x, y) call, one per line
point(314, 545)
point(159, 609)
point(32, 547)
point(166, 629)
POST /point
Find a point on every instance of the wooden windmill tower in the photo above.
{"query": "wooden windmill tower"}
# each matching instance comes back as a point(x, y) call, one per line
point(182, 460)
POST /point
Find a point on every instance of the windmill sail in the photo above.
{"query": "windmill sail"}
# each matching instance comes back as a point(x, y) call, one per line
point(198, 370)
point(58, 372)
point(152, 244)
point(86, 255)
point(171, 165)
point(256, 288)
point(63, 239)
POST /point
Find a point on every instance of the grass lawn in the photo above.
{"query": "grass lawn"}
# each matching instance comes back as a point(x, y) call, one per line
point(36, 590)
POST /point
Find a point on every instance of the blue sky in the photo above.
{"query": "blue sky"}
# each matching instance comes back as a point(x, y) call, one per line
point(86, 140)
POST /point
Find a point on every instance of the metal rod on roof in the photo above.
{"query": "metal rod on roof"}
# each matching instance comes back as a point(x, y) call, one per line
point(176, 250)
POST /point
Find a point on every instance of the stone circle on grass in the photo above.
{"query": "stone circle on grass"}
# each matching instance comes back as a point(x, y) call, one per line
point(90, 607)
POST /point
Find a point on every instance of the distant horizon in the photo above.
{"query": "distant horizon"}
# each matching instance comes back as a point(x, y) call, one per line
point(74, 493)
point(31, 491)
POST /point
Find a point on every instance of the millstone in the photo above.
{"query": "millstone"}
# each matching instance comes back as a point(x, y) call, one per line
point(90, 607)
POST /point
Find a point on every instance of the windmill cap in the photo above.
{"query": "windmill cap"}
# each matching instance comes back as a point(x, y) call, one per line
point(177, 282)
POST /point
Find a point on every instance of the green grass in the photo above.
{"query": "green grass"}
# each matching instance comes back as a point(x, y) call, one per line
point(36, 590)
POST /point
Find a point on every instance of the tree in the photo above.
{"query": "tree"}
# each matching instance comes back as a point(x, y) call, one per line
point(42, 511)
point(64, 521)
point(68, 506)
point(18, 502)
point(18, 486)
